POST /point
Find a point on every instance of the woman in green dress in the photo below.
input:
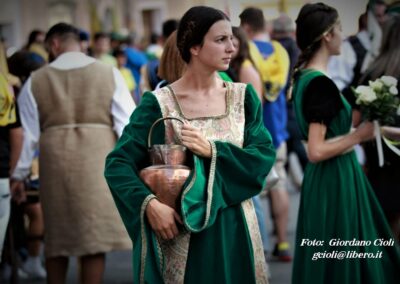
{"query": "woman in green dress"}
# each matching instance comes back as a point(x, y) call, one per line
point(213, 236)
point(342, 235)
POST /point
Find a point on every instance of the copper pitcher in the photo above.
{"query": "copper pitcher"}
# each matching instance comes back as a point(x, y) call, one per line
point(166, 154)
point(167, 174)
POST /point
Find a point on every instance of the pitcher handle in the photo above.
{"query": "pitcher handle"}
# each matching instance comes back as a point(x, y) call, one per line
point(155, 123)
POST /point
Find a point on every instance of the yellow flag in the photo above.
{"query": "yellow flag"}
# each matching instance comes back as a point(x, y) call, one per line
point(7, 104)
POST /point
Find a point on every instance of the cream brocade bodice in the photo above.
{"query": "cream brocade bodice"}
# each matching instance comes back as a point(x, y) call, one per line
point(227, 127)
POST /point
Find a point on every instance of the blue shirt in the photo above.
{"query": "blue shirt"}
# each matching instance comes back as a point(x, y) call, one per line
point(135, 59)
point(274, 113)
point(275, 119)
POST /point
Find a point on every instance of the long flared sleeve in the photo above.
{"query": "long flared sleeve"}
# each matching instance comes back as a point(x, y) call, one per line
point(130, 194)
point(129, 156)
point(233, 174)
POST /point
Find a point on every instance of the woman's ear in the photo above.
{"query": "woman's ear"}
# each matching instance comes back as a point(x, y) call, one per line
point(194, 50)
point(327, 36)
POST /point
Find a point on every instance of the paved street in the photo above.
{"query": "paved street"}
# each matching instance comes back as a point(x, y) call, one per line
point(282, 272)
point(118, 267)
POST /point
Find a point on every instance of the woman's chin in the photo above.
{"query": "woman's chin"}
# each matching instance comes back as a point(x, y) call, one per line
point(223, 67)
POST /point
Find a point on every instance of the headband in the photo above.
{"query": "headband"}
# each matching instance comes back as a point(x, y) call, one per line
point(327, 30)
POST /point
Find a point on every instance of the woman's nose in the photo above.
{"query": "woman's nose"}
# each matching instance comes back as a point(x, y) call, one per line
point(230, 47)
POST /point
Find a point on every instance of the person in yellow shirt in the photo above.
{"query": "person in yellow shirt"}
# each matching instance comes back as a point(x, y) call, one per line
point(10, 143)
point(272, 62)
point(242, 68)
point(120, 56)
point(35, 44)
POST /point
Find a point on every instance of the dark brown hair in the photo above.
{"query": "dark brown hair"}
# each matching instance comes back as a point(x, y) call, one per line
point(194, 25)
point(253, 17)
point(63, 31)
point(312, 22)
point(243, 51)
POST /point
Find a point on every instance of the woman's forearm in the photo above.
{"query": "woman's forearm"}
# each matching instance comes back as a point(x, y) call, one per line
point(320, 149)
point(318, 152)
point(16, 141)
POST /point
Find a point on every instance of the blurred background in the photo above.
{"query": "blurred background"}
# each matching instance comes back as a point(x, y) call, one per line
point(139, 18)
point(115, 31)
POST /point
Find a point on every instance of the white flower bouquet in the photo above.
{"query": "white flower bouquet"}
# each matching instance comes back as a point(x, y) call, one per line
point(378, 101)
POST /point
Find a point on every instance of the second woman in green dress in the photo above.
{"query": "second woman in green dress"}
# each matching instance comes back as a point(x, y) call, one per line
point(340, 225)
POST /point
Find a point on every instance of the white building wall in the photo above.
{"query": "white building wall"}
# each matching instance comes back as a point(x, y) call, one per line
point(10, 28)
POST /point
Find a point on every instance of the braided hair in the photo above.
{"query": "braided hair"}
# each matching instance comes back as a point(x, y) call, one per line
point(313, 21)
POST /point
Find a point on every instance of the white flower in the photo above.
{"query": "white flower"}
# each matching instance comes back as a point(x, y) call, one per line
point(362, 89)
point(389, 81)
point(366, 94)
point(376, 85)
point(393, 90)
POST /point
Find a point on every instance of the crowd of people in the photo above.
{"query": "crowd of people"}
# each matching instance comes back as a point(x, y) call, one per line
point(260, 103)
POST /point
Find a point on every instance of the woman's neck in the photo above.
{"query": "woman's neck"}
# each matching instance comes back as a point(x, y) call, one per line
point(196, 78)
point(319, 61)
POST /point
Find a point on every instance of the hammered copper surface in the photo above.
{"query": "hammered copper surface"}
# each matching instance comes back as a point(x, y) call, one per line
point(166, 176)
point(166, 182)
point(167, 154)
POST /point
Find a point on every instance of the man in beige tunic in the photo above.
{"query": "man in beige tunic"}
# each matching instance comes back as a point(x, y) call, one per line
point(77, 106)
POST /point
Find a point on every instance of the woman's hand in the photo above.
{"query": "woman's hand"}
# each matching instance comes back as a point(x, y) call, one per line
point(391, 132)
point(162, 219)
point(18, 193)
point(194, 140)
point(365, 131)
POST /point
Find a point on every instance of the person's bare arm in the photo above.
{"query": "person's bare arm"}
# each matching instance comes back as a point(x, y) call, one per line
point(320, 149)
point(16, 141)
point(249, 74)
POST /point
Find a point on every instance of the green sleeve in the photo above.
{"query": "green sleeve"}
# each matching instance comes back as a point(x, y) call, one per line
point(129, 156)
point(130, 194)
point(233, 174)
point(224, 76)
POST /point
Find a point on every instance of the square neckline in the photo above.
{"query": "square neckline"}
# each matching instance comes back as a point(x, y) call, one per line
point(219, 116)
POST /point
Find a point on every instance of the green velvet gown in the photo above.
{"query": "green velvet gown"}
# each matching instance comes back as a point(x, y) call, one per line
point(337, 202)
point(220, 241)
